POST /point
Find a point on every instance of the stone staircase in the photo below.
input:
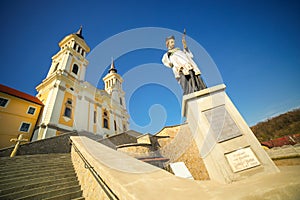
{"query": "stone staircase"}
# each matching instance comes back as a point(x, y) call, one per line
point(42, 176)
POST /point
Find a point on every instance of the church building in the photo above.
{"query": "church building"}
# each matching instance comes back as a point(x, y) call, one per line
point(71, 103)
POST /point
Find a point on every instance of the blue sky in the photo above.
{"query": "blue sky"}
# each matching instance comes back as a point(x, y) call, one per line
point(254, 44)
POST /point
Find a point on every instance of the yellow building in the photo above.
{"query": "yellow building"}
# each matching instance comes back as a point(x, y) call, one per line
point(19, 113)
point(71, 103)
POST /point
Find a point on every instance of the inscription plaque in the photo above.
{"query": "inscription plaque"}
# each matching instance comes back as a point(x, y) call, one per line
point(222, 126)
point(242, 159)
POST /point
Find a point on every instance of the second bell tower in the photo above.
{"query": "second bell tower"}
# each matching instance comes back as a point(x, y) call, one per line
point(113, 86)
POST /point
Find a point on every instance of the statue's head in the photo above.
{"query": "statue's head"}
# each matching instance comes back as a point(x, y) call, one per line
point(170, 42)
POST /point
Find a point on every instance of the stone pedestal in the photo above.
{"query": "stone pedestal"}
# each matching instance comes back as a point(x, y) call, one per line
point(227, 145)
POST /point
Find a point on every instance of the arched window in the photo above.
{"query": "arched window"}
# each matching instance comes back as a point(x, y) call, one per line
point(68, 112)
point(75, 69)
point(68, 108)
point(105, 119)
point(115, 123)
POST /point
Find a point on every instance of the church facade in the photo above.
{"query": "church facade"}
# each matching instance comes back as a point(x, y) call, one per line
point(71, 103)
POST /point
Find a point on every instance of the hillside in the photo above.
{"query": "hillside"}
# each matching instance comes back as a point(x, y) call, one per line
point(284, 124)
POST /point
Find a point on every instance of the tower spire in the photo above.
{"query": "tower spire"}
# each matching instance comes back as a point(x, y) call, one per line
point(112, 67)
point(79, 32)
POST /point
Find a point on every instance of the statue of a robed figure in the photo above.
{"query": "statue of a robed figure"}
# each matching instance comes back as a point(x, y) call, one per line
point(227, 146)
point(184, 68)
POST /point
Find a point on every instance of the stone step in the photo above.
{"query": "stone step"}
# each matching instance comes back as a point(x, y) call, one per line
point(36, 180)
point(75, 190)
point(33, 170)
point(37, 166)
point(79, 198)
point(19, 174)
point(46, 176)
point(34, 185)
point(40, 189)
point(74, 196)
point(37, 156)
point(41, 155)
point(7, 162)
point(31, 162)
point(37, 175)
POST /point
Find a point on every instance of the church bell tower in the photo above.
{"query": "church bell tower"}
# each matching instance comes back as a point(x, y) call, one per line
point(59, 90)
point(71, 57)
point(113, 86)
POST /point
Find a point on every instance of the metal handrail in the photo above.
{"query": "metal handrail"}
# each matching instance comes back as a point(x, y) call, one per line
point(111, 195)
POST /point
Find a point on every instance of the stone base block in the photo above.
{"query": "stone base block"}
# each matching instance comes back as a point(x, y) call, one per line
point(229, 149)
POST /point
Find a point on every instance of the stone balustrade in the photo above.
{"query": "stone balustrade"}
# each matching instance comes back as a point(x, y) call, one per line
point(119, 176)
point(126, 177)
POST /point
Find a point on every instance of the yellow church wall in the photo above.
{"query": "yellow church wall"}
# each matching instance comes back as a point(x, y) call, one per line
point(12, 117)
point(63, 119)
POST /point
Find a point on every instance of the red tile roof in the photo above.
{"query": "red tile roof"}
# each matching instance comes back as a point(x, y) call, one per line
point(285, 140)
point(19, 94)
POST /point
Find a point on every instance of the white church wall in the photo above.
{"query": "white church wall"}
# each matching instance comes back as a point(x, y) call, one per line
point(58, 97)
